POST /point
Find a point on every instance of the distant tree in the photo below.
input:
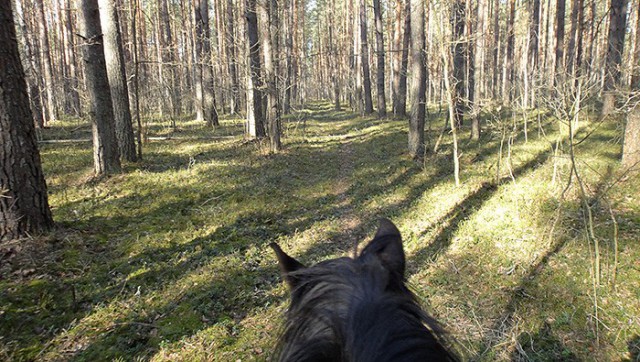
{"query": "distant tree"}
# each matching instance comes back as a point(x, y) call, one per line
point(615, 49)
point(114, 57)
point(418, 80)
point(24, 207)
point(105, 146)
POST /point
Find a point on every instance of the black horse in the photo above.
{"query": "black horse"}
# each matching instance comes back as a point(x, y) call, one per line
point(358, 309)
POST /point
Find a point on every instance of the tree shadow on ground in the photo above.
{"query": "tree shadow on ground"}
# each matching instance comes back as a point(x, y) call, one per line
point(541, 346)
point(464, 209)
point(634, 348)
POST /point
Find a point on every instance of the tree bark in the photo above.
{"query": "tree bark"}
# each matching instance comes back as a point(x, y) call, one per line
point(507, 75)
point(364, 54)
point(231, 59)
point(457, 23)
point(635, 75)
point(273, 108)
point(559, 54)
point(114, 57)
point(478, 66)
point(205, 97)
point(401, 57)
point(418, 72)
point(255, 113)
point(24, 206)
point(382, 104)
point(105, 147)
point(615, 50)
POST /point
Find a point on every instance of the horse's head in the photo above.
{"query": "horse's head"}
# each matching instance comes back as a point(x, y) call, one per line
point(358, 309)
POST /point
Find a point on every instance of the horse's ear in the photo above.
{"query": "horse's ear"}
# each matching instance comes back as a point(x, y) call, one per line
point(386, 246)
point(287, 264)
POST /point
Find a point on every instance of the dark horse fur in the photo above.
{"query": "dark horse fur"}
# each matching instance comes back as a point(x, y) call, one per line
point(357, 309)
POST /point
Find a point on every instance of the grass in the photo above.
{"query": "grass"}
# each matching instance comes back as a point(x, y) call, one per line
point(168, 261)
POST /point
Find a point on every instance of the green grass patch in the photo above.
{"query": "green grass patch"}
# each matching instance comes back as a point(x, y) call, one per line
point(168, 261)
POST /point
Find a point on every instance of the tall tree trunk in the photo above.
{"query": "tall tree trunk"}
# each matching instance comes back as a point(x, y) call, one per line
point(51, 111)
point(382, 103)
point(267, 27)
point(231, 59)
point(418, 72)
point(204, 91)
point(635, 75)
point(114, 57)
point(457, 23)
point(631, 145)
point(478, 66)
point(496, 49)
point(290, 56)
point(364, 53)
point(357, 58)
point(615, 50)
point(559, 57)
point(401, 56)
point(255, 112)
point(74, 95)
point(105, 146)
point(574, 37)
point(24, 207)
point(534, 46)
point(507, 75)
point(199, 62)
point(29, 66)
point(332, 58)
point(172, 79)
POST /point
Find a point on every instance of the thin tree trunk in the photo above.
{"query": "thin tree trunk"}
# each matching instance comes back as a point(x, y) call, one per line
point(401, 54)
point(559, 57)
point(24, 206)
point(457, 23)
point(364, 53)
point(382, 103)
point(418, 71)
point(478, 66)
point(507, 76)
point(105, 146)
point(231, 59)
point(51, 111)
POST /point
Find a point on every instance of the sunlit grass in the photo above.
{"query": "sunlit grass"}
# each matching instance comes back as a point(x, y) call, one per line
point(168, 261)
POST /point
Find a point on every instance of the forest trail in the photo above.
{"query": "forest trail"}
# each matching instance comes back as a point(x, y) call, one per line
point(169, 259)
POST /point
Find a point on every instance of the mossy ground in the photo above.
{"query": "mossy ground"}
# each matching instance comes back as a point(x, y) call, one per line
point(168, 261)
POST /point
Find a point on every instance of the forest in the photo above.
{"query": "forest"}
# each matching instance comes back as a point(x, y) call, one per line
point(152, 150)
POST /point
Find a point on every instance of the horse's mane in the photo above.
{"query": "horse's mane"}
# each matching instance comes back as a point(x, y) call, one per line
point(355, 310)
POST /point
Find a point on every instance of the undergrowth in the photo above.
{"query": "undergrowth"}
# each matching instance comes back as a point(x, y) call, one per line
point(168, 261)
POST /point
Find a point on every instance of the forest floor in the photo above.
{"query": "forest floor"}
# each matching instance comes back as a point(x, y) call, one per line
point(168, 261)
